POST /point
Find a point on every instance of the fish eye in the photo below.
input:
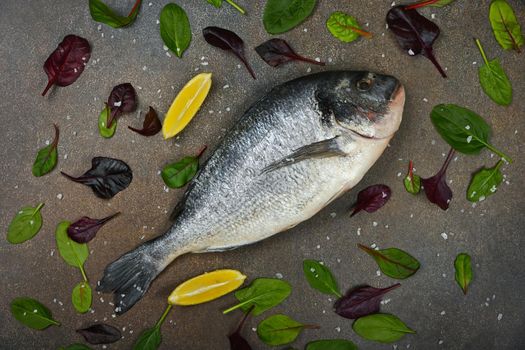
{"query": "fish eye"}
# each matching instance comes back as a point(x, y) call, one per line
point(364, 84)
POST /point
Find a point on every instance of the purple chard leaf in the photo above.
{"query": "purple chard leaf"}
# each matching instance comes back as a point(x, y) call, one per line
point(277, 51)
point(123, 99)
point(85, 229)
point(361, 301)
point(151, 125)
point(436, 187)
point(372, 198)
point(100, 333)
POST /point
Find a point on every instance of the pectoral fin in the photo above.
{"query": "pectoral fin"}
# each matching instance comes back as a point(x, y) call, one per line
point(321, 149)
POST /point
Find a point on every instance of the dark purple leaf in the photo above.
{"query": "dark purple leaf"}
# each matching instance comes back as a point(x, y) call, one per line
point(414, 33)
point(372, 198)
point(277, 51)
point(227, 40)
point(237, 342)
point(100, 333)
point(436, 187)
point(85, 229)
point(106, 177)
point(151, 125)
point(361, 301)
point(67, 62)
point(123, 99)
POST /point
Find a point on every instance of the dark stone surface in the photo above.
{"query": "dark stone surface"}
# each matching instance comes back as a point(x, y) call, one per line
point(492, 231)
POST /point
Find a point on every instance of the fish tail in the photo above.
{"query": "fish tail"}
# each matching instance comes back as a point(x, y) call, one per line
point(130, 276)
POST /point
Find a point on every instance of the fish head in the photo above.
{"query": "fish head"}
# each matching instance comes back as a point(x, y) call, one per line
point(363, 103)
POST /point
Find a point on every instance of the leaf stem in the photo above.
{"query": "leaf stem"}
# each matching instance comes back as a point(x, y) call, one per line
point(237, 7)
point(447, 161)
point(244, 318)
point(235, 307)
point(163, 317)
point(83, 272)
point(134, 8)
point(420, 4)
point(48, 86)
point(55, 141)
point(482, 52)
point(201, 151)
point(499, 153)
point(108, 218)
point(37, 209)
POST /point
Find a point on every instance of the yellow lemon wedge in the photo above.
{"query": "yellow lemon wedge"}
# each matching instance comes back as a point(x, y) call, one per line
point(206, 287)
point(186, 104)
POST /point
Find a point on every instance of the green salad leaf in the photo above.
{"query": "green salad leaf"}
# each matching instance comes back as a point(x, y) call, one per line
point(150, 339)
point(494, 80)
point(46, 158)
point(175, 28)
point(319, 277)
point(73, 253)
point(280, 330)
point(25, 225)
point(463, 271)
point(505, 25)
point(485, 183)
point(345, 27)
point(282, 15)
point(103, 122)
point(32, 313)
point(81, 297)
point(393, 262)
point(383, 328)
point(100, 12)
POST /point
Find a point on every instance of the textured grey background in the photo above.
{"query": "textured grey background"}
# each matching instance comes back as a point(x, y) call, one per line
point(492, 231)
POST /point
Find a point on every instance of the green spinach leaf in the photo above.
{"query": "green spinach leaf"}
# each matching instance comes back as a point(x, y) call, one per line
point(103, 122)
point(32, 313)
point(73, 253)
point(412, 181)
point(485, 183)
point(393, 262)
point(178, 174)
point(494, 81)
point(505, 25)
point(46, 158)
point(462, 129)
point(262, 294)
point(81, 297)
point(463, 271)
point(175, 28)
point(383, 328)
point(150, 339)
point(280, 330)
point(100, 12)
point(218, 4)
point(25, 225)
point(319, 277)
point(345, 27)
point(282, 15)
point(331, 344)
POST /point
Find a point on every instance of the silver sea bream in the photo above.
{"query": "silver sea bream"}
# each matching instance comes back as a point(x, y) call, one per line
point(293, 152)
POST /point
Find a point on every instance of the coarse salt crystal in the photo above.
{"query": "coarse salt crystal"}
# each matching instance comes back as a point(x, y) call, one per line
point(60, 196)
point(500, 316)
point(279, 275)
point(410, 52)
point(374, 223)
point(444, 235)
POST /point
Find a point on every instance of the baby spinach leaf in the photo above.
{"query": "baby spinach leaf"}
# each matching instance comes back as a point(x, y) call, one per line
point(505, 25)
point(383, 328)
point(345, 27)
point(277, 51)
point(150, 339)
point(100, 333)
point(175, 28)
point(494, 81)
point(46, 159)
point(485, 183)
point(282, 15)
point(85, 229)
point(25, 225)
point(81, 297)
point(73, 253)
point(393, 262)
point(463, 271)
point(122, 99)
point(151, 125)
point(331, 344)
point(67, 62)
point(463, 129)
point(229, 41)
point(100, 12)
point(280, 330)
point(361, 301)
point(414, 33)
point(434, 3)
point(372, 198)
point(77, 346)
point(412, 181)
point(177, 175)
point(319, 277)
point(218, 4)
point(107, 176)
point(262, 294)
point(436, 187)
point(103, 129)
point(32, 313)
point(237, 341)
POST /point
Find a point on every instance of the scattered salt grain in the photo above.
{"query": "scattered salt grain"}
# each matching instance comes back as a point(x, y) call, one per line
point(333, 215)
point(279, 275)
point(144, 68)
point(444, 235)
point(378, 273)
point(433, 16)
point(308, 70)
point(374, 223)
point(359, 231)
point(440, 342)
point(500, 316)
point(60, 196)
point(318, 246)
point(410, 52)
point(226, 86)
point(338, 329)
point(442, 313)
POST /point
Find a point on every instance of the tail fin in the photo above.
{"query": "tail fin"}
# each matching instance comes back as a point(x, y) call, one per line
point(129, 277)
